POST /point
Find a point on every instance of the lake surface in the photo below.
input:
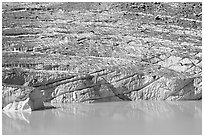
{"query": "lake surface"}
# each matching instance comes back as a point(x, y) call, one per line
point(141, 117)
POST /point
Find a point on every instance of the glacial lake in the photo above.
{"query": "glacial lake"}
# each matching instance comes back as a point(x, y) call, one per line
point(136, 118)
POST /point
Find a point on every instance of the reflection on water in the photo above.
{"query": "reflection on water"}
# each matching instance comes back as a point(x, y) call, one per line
point(141, 117)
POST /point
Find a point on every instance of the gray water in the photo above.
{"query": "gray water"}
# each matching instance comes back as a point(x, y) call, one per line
point(141, 117)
